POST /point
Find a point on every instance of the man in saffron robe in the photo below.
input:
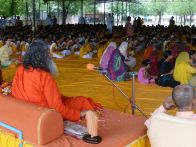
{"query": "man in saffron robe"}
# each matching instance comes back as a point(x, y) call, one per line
point(33, 82)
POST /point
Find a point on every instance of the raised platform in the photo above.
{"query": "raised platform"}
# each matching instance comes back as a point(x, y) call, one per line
point(43, 127)
point(116, 132)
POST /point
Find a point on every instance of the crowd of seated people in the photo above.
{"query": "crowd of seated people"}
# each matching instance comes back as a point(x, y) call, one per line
point(88, 40)
point(178, 50)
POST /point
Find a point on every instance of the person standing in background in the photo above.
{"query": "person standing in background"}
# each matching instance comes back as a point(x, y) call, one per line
point(129, 28)
point(110, 22)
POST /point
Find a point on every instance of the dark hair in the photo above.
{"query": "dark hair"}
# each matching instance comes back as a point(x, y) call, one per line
point(166, 54)
point(37, 56)
point(192, 52)
point(146, 62)
point(128, 18)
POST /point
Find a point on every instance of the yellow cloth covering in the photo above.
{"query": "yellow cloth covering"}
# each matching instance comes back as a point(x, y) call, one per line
point(140, 142)
point(14, 47)
point(85, 49)
point(75, 80)
point(9, 140)
point(183, 71)
point(1, 43)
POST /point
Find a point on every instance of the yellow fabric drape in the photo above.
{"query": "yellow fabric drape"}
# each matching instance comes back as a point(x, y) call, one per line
point(140, 142)
point(85, 49)
point(1, 44)
point(75, 80)
point(183, 71)
point(100, 51)
point(14, 48)
point(9, 140)
point(182, 57)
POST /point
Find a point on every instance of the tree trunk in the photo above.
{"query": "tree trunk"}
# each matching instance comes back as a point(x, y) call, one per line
point(160, 17)
point(176, 18)
point(27, 12)
point(39, 10)
point(58, 11)
point(190, 18)
point(34, 16)
point(63, 7)
point(184, 20)
point(12, 8)
point(65, 10)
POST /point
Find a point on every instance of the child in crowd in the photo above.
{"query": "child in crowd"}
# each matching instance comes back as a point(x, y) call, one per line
point(143, 76)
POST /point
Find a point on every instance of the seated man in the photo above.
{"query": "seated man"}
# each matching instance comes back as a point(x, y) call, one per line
point(183, 97)
point(33, 82)
point(5, 52)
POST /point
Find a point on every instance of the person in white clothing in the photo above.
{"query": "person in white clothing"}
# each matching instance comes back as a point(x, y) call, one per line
point(110, 22)
point(183, 98)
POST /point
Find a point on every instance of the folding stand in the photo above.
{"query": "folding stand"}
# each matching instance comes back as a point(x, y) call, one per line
point(132, 99)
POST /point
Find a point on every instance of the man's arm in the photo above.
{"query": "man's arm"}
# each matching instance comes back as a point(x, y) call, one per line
point(168, 104)
point(54, 100)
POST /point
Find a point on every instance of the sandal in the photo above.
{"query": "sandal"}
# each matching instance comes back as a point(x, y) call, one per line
point(93, 140)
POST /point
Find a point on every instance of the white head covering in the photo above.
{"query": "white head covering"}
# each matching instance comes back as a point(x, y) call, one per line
point(123, 48)
point(53, 47)
point(113, 44)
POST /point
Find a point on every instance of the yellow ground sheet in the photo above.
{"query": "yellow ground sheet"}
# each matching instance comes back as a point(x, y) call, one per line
point(75, 80)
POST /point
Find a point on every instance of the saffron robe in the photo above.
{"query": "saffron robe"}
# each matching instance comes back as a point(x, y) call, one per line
point(39, 87)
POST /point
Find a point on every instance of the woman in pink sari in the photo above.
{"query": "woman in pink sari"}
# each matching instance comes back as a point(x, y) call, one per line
point(143, 76)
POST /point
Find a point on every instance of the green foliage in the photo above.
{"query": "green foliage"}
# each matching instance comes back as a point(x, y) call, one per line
point(5, 8)
point(182, 7)
point(158, 7)
point(144, 7)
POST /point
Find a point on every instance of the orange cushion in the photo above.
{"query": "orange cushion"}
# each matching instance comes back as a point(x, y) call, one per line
point(39, 125)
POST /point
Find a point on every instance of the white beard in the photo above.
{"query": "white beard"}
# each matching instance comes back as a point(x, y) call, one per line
point(52, 67)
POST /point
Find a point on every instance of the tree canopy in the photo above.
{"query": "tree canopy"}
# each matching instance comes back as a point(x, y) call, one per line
point(142, 7)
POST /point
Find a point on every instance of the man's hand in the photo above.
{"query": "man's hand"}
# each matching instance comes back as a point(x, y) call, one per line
point(169, 103)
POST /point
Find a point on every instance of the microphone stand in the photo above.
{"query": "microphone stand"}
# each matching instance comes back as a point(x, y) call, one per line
point(132, 100)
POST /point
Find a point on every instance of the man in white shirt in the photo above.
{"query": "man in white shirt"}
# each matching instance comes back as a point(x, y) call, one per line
point(183, 98)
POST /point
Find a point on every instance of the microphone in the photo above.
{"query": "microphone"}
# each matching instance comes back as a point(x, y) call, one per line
point(93, 67)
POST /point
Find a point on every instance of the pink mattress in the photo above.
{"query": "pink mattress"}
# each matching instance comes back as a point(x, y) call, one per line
point(119, 130)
